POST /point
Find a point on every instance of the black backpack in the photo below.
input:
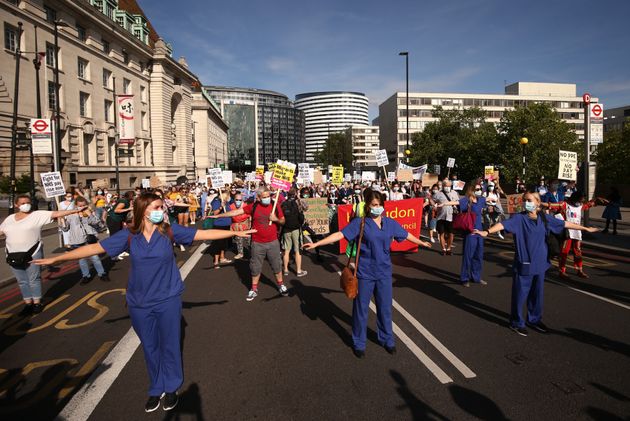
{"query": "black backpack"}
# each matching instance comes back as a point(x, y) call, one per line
point(554, 241)
point(294, 219)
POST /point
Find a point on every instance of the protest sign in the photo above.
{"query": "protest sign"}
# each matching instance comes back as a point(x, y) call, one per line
point(260, 172)
point(337, 175)
point(271, 166)
point(418, 172)
point(215, 178)
point(146, 183)
point(437, 169)
point(267, 177)
point(381, 158)
point(405, 175)
point(515, 203)
point(407, 213)
point(317, 177)
point(391, 176)
point(403, 166)
point(356, 175)
point(317, 215)
point(155, 182)
point(53, 184)
point(282, 177)
point(250, 176)
point(347, 178)
point(488, 172)
point(458, 185)
point(450, 163)
point(567, 168)
point(228, 177)
point(429, 179)
point(368, 176)
point(101, 183)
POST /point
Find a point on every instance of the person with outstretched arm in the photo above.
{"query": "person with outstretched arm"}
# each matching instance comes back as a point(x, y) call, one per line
point(375, 269)
point(531, 260)
point(154, 289)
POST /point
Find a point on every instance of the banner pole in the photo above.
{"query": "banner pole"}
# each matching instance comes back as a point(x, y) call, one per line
point(275, 203)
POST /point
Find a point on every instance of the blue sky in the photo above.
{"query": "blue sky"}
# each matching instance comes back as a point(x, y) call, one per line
point(454, 45)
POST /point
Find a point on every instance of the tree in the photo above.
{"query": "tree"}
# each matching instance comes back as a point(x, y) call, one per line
point(612, 156)
point(461, 134)
point(337, 150)
point(22, 184)
point(546, 132)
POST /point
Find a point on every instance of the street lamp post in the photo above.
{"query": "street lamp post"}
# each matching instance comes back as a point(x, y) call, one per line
point(406, 54)
point(523, 142)
point(193, 150)
point(18, 58)
point(37, 63)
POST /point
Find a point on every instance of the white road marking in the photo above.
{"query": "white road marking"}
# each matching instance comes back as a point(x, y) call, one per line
point(424, 358)
point(88, 397)
point(467, 372)
point(590, 294)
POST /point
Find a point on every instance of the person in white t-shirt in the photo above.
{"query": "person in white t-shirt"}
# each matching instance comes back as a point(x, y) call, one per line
point(23, 235)
point(396, 194)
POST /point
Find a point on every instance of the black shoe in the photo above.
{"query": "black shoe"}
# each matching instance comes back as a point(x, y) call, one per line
point(359, 353)
point(85, 280)
point(170, 401)
point(27, 310)
point(519, 330)
point(104, 278)
point(37, 308)
point(538, 327)
point(391, 350)
point(449, 252)
point(605, 231)
point(153, 403)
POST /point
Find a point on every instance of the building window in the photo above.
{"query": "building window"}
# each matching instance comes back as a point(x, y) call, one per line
point(109, 10)
point(81, 33)
point(87, 145)
point(126, 86)
point(107, 79)
point(51, 95)
point(50, 55)
point(125, 57)
point(10, 37)
point(84, 100)
point(51, 14)
point(106, 46)
point(144, 120)
point(143, 94)
point(108, 110)
point(82, 69)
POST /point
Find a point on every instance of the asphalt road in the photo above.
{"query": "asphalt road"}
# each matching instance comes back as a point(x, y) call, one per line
point(290, 358)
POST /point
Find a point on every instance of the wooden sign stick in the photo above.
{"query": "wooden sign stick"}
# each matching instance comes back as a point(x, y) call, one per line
point(275, 203)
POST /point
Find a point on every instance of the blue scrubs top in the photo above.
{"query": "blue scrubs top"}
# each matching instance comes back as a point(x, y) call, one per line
point(220, 222)
point(476, 208)
point(374, 260)
point(529, 239)
point(154, 276)
point(556, 197)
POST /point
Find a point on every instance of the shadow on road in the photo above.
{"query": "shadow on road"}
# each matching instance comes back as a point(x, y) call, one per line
point(598, 414)
point(189, 406)
point(419, 410)
point(595, 340)
point(610, 392)
point(476, 404)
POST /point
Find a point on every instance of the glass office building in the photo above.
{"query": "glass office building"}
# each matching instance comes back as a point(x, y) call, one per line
point(264, 126)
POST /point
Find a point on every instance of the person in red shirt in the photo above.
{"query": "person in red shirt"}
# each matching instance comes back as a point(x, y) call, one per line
point(265, 242)
point(240, 223)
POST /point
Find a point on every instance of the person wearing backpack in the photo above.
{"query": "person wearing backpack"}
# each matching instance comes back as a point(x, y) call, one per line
point(154, 289)
point(265, 244)
point(531, 260)
point(293, 210)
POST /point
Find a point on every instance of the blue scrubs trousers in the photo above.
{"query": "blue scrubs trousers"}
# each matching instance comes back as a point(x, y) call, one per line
point(472, 261)
point(527, 289)
point(382, 290)
point(158, 328)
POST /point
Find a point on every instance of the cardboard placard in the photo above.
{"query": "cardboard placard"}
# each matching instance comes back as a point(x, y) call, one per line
point(567, 166)
point(458, 185)
point(317, 177)
point(515, 203)
point(317, 215)
point(101, 183)
point(429, 179)
point(405, 175)
point(155, 182)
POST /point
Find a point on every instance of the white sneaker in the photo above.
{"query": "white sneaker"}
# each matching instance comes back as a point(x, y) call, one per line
point(123, 254)
point(432, 240)
point(238, 256)
point(302, 273)
point(283, 290)
point(500, 236)
point(225, 261)
point(182, 248)
point(251, 295)
point(119, 258)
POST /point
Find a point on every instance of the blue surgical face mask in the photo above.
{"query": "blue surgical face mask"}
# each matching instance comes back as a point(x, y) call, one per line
point(265, 200)
point(530, 206)
point(377, 211)
point(238, 203)
point(156, 216)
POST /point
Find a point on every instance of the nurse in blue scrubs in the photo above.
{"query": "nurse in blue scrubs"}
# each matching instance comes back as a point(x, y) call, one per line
point(374, 271)
point(154, 289)
point(530, 260)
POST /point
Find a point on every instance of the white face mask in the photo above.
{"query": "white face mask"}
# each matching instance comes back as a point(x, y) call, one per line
point(447, 189)
point(25, 207)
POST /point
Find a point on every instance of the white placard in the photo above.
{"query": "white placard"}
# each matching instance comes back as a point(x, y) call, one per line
point(418, 172)
point(450, 163)
point(250, 176)
point(368, 176)
point(437, 169)
point(567, 167)
point(53, 184)
point(268, 175)
point(403, 166)
point(41, 136)
point(146, 183)
point(347, 178)
point(381, 158)
point(216, 177)
point(228, 177)
point(391, 176)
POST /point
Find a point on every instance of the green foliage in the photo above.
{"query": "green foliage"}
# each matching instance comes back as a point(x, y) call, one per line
point(612, 156)
point(23, 184)
point(466, 136)
point(336, 151)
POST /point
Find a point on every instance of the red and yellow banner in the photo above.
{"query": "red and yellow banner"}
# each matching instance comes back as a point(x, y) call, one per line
point(407, 213)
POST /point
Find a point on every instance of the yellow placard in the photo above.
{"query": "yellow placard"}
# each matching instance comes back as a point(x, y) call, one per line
point(337, 174)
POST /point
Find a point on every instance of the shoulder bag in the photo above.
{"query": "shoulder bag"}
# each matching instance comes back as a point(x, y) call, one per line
point(21, 259)
point(554, 241)
point(348, 281)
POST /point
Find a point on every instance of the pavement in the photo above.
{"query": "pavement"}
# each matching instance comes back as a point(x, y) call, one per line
point(289, 358)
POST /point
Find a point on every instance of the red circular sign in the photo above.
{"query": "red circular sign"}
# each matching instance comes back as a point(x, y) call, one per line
point(40, 125)
point(597, 110)
point(586, 98)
